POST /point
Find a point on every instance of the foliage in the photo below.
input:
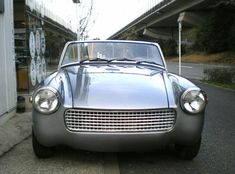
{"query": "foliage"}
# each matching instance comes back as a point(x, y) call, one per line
point(232, 37)
point(217, 34)
point(131, 34)
point(220, 75)
point(85, 18)
point(169, 47)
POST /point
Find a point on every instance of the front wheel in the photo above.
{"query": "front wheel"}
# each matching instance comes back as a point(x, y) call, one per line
point(188, 152)
point(39, 150)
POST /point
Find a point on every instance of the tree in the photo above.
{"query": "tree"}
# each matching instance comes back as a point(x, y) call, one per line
point(86, 13)
point(232, 38)
point(217, 33)
point(130, 34)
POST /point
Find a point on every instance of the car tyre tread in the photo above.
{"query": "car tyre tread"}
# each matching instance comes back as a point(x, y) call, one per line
point(186, 152)
point(39, 150)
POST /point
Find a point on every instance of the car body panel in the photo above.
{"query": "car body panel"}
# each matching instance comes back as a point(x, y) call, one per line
point(91, 89)
point(51, 131)
point(116, 86)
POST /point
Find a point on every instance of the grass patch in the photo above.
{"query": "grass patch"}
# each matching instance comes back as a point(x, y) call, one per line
point(222, 77)
point(223, 85)
point(217, 58)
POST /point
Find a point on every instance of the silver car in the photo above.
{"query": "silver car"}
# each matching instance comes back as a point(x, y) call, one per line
point(113, 96)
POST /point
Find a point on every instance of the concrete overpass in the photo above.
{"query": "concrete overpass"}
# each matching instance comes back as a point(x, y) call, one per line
point(160, 22)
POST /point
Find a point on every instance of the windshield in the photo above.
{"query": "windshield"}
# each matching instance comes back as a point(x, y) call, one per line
point(111, 51)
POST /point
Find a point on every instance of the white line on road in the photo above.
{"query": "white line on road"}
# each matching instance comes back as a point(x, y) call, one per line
point(185, 66)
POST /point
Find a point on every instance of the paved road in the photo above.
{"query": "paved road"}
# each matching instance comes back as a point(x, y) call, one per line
point(217, 154)
point(21, 160)
point(191, 70)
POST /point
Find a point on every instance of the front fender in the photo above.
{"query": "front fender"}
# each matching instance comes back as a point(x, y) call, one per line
point(175, 86)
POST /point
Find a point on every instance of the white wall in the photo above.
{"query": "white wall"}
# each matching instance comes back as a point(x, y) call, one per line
point(8, 95)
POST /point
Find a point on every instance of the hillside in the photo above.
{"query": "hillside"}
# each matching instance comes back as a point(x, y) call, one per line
point(218, 58)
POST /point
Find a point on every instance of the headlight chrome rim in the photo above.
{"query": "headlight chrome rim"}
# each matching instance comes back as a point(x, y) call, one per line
point(193, 106)
point(36, 100)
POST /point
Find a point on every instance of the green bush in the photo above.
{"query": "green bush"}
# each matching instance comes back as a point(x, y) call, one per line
point(131, 34)
point(232, 38)
point(169, 47)
point(220, 75)
point(217, 34)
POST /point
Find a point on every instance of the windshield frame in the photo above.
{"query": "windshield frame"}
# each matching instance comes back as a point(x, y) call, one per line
point(61, 65)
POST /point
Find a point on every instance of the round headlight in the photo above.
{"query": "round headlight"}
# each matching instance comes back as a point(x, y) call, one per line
point(46, 100)
point(193, 101)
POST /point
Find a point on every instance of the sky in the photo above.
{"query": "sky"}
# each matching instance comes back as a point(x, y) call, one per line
point(113, 15)
point(108, 16)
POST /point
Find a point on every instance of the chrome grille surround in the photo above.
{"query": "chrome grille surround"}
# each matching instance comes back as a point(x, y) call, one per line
point(83, 120)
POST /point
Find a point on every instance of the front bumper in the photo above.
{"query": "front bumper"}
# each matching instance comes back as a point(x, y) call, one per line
point(50, 130)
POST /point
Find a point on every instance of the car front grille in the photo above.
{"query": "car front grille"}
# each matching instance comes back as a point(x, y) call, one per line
point(120, 121)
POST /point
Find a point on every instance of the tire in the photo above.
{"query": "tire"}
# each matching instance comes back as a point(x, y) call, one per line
point(39, 150)
point(188, 152)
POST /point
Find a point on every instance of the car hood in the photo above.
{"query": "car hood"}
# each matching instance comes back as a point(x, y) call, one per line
point(117, 87)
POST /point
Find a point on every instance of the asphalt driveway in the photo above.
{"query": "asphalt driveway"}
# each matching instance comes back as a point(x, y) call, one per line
point(217, 154)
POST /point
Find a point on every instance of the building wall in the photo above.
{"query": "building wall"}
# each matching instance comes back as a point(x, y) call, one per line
point(39, 39)
point(7, 61)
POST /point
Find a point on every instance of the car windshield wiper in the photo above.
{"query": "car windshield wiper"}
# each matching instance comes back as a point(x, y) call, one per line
point(148, 62)
point(92, 60)
point(120, 59)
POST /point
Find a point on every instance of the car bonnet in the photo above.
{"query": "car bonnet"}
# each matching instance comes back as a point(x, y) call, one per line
point(117, 87)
